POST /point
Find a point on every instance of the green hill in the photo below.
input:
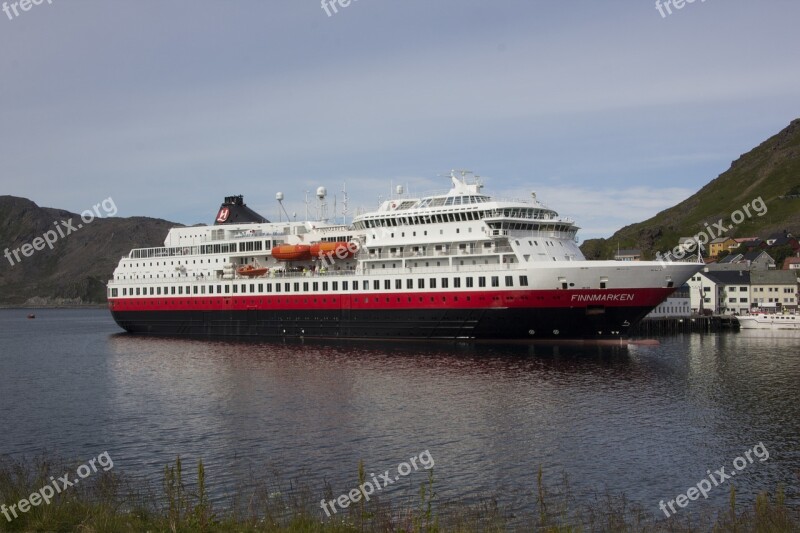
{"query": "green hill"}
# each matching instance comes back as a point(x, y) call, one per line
point(770, 172)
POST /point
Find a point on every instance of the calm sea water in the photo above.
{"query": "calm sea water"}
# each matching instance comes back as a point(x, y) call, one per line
point(647, 421)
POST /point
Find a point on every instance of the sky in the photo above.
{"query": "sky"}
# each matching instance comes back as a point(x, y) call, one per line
point(609, 110)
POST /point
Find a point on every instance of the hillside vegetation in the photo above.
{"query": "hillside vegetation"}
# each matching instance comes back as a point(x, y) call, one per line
point(771, 171)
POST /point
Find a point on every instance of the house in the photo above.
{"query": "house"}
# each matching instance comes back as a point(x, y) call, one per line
point(628, 255)
point(729, 262)
point(720, 292)
point(781, 239)
point(774, 289)
point(721, 243)
point(757, 259)
point(678, 304)
point(748, 241)
point(791, 263)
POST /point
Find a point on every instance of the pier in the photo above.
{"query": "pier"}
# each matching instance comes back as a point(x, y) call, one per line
point(692, 324)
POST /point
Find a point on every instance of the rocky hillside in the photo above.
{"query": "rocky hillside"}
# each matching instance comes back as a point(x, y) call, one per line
point(80, 263)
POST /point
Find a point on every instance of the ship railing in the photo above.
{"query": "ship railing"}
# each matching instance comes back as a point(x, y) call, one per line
point(445, 268)
point(428, 253)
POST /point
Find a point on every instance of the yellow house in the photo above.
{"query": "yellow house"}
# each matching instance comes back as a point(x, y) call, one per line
point(719, 244)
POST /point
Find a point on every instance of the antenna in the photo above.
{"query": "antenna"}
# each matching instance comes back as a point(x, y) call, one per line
point(279, 197)
point(322, 192)
point(344, 203)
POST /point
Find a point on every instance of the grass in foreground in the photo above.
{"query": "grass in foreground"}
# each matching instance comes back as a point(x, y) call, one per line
point(110, 502)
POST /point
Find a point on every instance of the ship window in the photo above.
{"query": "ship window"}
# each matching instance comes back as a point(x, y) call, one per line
point(172, 290)
point(421, 283)
point(355, 285)
point(365, 285)
point(481, 281)
point(469, 281)
point(398, 284)
point(409, 283)
point(219, 289)
point(269, 287)
point(305, 286)
point(124, 291)
point(180, 290)
point(376, 284)
point(433, 283)
point(210, 289)
point(113, 293)
point(387, 284)
point(203, 289)
point(277, 287)
point(444, 283)
point(457, 283)
point(260, 287)
point(324, 285)
point(235, 289)
point(187, 289)
point(509, 281)
point(523, 281)
point(495, 281)
point(286, 287)
point(335, 285)
point(297, 287)
point(244, 288)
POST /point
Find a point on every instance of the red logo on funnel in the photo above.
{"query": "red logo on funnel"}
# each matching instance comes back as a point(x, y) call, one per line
point(223, 214)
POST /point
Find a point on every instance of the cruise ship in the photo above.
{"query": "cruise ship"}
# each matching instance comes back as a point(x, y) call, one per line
point(459, 265)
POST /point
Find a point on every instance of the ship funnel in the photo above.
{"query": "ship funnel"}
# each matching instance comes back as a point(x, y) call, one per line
point(234, 211)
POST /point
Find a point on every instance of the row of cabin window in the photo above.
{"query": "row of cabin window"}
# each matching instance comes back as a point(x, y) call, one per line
point(242, 288)
point(245, 246)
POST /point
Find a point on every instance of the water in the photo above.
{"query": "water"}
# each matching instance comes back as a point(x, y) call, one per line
point(646, 421)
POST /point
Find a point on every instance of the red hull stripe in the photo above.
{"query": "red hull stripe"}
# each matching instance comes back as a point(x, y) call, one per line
point(398, 300)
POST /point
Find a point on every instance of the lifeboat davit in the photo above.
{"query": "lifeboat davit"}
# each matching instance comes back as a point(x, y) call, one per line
point(292, 252)
point(339, 249)
point(251, 271)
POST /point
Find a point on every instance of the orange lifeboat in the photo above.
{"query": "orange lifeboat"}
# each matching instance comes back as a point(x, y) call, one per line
point(339, 249)
point(251, 271)
point(292, 252)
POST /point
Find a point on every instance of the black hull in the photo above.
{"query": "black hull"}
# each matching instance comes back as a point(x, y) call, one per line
point(407, 324)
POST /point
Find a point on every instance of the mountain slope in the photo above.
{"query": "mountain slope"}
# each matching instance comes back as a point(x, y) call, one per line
point(80, 263)
point(770, 171)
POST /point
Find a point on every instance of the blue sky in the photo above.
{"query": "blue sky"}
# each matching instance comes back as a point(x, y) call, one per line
point(608, 110)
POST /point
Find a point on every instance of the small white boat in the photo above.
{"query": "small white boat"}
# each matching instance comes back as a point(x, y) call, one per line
point(769, 321)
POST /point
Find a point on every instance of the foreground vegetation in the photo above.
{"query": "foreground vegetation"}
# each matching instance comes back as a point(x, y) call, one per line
point(110, 502)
